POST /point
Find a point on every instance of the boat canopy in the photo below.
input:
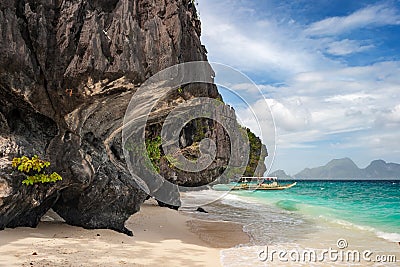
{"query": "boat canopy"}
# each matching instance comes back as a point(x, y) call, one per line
point(246, 179)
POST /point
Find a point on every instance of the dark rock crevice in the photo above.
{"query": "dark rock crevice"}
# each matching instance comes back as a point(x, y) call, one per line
point(28, 31)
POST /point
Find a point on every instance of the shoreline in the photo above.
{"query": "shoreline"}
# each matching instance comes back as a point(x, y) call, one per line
point(160, 235)
point(177, 238)
point(282, 230)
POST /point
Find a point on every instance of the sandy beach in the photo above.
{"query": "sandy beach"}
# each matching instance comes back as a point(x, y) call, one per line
point(160, 235)
point(180, 238)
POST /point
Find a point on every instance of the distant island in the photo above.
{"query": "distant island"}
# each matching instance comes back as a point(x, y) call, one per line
point(345, 168)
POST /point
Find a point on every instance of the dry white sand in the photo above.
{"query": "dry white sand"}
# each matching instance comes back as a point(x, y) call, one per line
point(162, 237)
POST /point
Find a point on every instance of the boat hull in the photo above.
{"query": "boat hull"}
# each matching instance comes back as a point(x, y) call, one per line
point(262, 187)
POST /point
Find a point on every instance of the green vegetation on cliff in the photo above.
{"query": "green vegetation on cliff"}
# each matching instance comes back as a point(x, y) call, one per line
point(34, 169)
point(153, 147)
point(256, 148)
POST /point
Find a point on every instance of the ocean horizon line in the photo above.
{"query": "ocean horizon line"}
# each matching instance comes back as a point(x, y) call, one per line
point(339, 179)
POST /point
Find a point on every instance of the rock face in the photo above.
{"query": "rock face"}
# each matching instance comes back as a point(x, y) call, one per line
point(68, 70)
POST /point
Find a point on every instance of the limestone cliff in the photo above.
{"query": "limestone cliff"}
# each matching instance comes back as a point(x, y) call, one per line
point(68, 70)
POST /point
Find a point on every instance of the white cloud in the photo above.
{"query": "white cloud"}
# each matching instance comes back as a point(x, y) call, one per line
point(389, 118)
point(289, 116)
point(380, 77)
point(265, 45)
point(384, 141)
point(394, 114)
point(320, 105)
point(247, 87)
point(252, 53)
point(371, 16)
point(252, 88)
point(380, 143)
point(355, 98)
point(346, 47)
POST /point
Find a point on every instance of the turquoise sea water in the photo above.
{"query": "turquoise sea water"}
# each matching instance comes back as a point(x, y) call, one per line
point(287, 215)
point(312, 214)
point(364, 204)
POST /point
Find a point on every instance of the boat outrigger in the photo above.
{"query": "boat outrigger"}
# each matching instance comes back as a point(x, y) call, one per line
point(260, 183)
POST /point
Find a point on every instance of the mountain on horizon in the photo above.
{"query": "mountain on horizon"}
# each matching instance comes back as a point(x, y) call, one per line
point(281, 174)
point(346, 168)
point(336, 168)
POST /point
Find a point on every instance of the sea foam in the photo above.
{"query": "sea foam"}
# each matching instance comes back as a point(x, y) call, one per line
point(393, 237)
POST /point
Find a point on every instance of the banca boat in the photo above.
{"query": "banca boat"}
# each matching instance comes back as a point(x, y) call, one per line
point(260, 183)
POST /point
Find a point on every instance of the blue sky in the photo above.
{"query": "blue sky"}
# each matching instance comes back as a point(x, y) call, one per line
point(329, 71)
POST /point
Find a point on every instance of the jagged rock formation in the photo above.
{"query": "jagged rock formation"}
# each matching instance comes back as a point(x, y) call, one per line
point(67, 72)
